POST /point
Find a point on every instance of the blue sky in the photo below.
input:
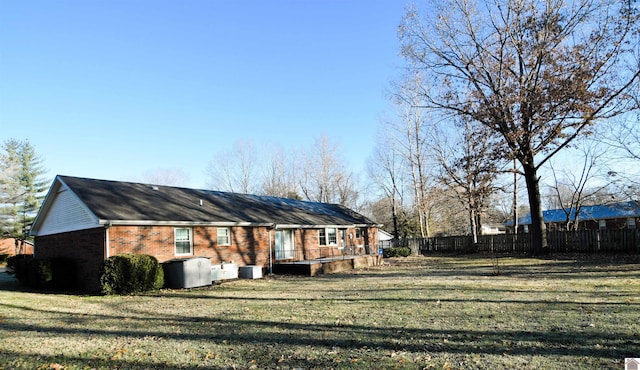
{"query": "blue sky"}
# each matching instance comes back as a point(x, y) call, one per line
point(114, 89)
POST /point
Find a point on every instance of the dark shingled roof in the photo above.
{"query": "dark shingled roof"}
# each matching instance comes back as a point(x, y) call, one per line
point(126, 201)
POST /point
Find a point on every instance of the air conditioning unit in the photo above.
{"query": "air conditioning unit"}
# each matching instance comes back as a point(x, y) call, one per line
point(250, 272)
point(216, 273)
point(229, 270)
point(224, 271)
point(187, 272)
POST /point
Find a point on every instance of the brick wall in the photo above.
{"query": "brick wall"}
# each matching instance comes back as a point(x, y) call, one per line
point(307, 241)
point(153, 240)
point(248, 245)
point(370, 236)
point(86, 247)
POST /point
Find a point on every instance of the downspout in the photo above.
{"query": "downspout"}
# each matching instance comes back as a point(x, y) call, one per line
point(270, 252)
point(107, 249)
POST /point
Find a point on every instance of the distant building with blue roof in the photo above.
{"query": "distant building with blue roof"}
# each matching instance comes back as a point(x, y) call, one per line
point(623, 215)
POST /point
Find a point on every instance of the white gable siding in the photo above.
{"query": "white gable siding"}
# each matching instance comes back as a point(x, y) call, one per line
point(66, 213)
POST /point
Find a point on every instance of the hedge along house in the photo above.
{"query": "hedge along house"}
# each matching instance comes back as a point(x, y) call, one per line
point(89, 220)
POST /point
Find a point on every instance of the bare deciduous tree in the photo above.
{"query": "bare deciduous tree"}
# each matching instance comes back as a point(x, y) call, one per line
point(384, 169)
point(324, 177)
point(413, 131)
point(579, 183)
point(166, 176)
point(235, 170)
point(468, 168)
point(623, 155)
point(278, 173)
point(537, 74)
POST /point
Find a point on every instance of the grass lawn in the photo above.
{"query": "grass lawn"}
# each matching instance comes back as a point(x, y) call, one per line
point(414, 313)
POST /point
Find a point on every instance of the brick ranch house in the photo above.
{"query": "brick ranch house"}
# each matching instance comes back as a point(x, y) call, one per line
point(89, 220)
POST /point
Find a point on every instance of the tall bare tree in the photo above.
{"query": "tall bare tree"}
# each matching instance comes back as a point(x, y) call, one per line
point(413, 133)
point(278, 173)
point(235, 170)
point(538, 74)
point(324, 176)
point(384, 168)
point(623, 155)
point(468, 168)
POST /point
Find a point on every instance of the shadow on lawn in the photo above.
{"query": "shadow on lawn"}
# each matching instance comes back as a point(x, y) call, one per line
point(431, 300)
point(587, 341)
point(241, 333)
point(483, 265)
point(51, 362)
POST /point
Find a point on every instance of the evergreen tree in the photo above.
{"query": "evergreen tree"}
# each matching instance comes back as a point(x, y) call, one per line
point(22, 187)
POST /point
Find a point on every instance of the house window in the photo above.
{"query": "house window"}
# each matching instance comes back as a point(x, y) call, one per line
point(602, 224)
point(224, 237)
point(328, 236)
point(332, 236)
point(631, 223)
point(358, 233)
point(183, 241)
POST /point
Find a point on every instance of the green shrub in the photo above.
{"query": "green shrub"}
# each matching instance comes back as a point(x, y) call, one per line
point(130, 273)
point(17, 265)
point(396, 252)
point(4, 257)
point(45, 273)
point(40, 273)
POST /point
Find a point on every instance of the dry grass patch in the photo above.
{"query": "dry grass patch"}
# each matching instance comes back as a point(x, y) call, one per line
point(436, 312)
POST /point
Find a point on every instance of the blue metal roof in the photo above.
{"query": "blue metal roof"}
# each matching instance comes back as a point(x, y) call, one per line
point(601, 212)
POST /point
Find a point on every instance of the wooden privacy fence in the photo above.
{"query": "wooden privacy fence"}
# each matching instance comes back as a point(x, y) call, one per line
point(583, 241)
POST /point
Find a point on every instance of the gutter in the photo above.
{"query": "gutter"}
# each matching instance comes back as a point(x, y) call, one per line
point(296, 226)
point(110, 223)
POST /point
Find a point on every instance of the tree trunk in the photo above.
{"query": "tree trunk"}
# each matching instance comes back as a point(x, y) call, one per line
point(538, 230)
point(473, 226)
point(394, 216)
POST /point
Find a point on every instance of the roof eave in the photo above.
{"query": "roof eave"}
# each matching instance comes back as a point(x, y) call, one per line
point(109, 223)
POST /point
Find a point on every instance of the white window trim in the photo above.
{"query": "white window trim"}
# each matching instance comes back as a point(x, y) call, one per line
point(326, 236)
point(175, 247)
point(228, 236)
